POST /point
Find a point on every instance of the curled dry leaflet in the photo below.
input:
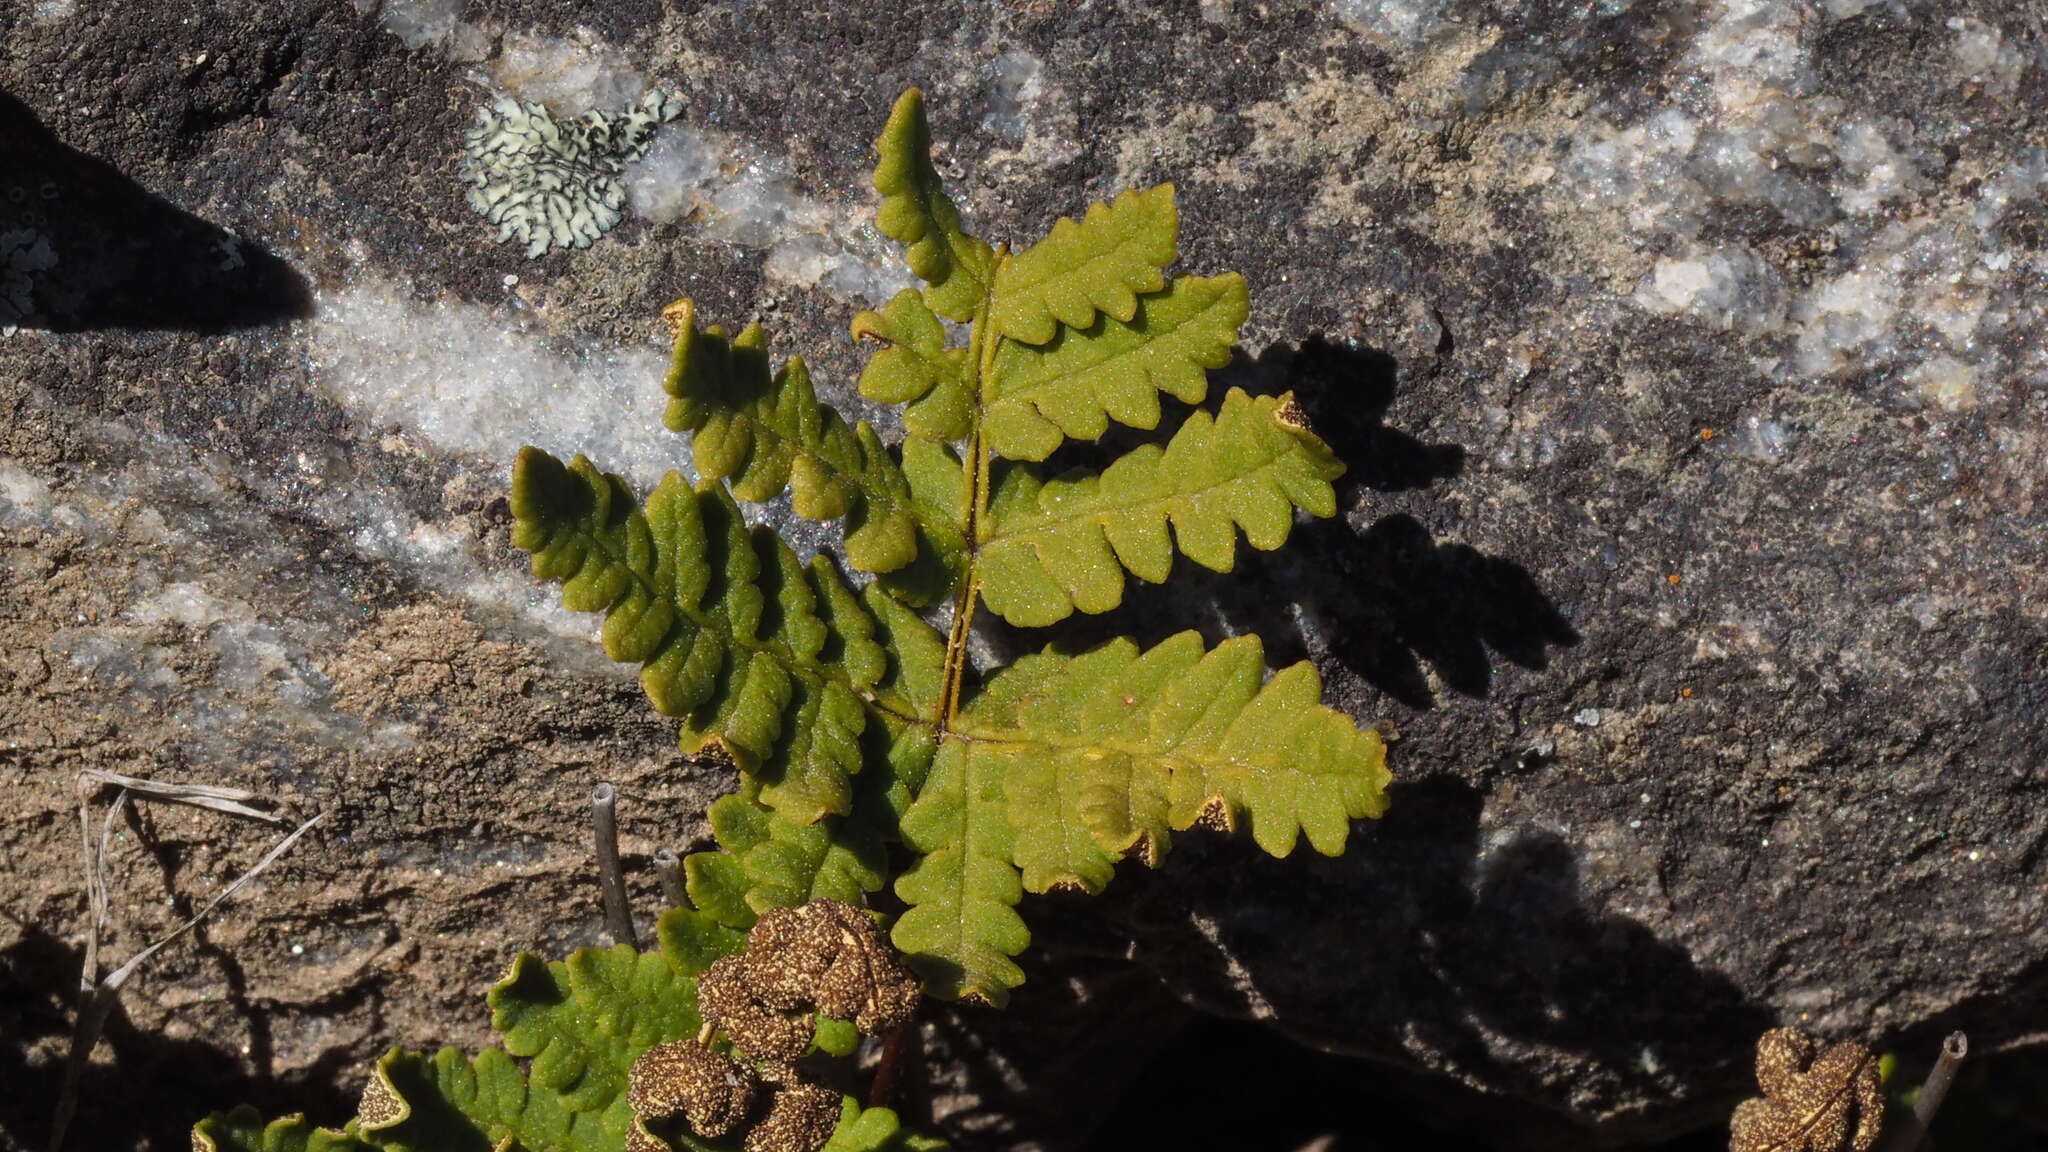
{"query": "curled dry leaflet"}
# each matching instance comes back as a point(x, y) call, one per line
point(1833, 1099)
point(1813, 1101)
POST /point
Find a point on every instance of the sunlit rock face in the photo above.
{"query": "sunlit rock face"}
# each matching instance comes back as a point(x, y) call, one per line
point(1688, 359)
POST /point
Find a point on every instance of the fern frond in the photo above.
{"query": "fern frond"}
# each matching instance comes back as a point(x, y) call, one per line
point(914, 367)
point(448, 1102)
point(766, 431)
point(854, 723)
point(1136, 742)
point(776, 661)
point(1113, 369)
point(767, 862)
point(545, 1012)
point(581, 1023)
point(1065, 764)
point(245, 1130)
point(1062, 544)
point(876, 1130)
point(1103, 263)
point(916, 212)
point(962, 926)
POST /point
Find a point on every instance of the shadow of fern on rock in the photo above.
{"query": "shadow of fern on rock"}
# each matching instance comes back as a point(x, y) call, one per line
point(1396, 599)
point(1444, 947)
point(1347, 391)
point(84, 248)
point(1375, 593)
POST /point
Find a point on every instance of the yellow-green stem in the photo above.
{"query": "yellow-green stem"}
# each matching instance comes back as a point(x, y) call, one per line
point(981, 355)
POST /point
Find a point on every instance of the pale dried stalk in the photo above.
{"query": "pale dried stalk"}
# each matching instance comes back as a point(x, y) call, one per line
point(604, 819)
point(1933, 1090)
point(97, 995)
point(669, 870)
point(213, 797)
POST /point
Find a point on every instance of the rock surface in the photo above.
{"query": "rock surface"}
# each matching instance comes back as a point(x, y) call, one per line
point(1689, 358)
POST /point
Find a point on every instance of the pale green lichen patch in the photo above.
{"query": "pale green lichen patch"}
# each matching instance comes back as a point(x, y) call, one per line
point(549, 184)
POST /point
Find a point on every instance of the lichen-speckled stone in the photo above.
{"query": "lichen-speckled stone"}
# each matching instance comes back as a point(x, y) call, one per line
point(1687, 357)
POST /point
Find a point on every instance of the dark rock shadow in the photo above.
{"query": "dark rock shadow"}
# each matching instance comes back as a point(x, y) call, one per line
point(1382, 597)
point(1045, 1070)
point(2000, 1099)
point(144, 1091)
point(83, 248)
point(1474, 953)
point(1347, 391)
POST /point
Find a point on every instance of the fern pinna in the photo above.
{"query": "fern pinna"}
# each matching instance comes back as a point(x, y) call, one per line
point(855, 722)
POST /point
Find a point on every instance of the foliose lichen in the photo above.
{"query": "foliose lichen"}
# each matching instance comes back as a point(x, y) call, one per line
point(549, 184)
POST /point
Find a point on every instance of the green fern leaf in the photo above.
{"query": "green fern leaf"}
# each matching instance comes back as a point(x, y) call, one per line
point(1113, 369)
point(855, 724)
point(693, 940)
point(549, 1013)
point(876, 1130)
point(771, 863)
point(1103, 263)
point(1136, 743)
point(961, 927)
point(915, 367)
point(448, 1102)
point(766, 432)
point(580, 1023)
point(1065, 764)
point(1063, 544)
point(916, 212)
point(244, 1130)
point(776, 661)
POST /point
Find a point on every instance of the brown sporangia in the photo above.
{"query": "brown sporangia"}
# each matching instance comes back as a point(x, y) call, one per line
point(707, 1088)
point(800, 1119)
point(728, 1002)
point(1826, 1103)
point(824, 957)
point(829, 955)
point(380, 1107)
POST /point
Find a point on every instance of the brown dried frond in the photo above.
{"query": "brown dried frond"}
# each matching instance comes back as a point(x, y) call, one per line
point(1829, 1103)
point(800, 1119)
point(830, 955)
point(728, 1001)
point(709, 1088)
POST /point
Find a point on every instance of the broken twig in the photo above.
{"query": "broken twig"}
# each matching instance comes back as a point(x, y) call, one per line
point(669, 870)
point(611, 878)
point(213, 797)
point(1933, 1090)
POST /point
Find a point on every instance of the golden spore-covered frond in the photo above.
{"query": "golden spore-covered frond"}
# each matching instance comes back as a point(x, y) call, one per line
point(830, 955)
point(683, 1078)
